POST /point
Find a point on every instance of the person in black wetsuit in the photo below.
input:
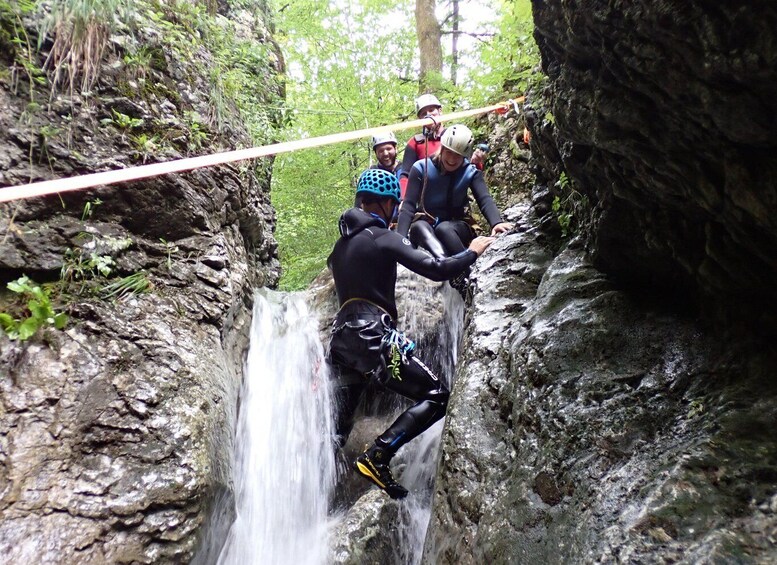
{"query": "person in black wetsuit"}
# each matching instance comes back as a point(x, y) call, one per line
point(365, 343)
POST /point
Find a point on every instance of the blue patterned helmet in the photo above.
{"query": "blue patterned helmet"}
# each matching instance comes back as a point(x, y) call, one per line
point(378, 182)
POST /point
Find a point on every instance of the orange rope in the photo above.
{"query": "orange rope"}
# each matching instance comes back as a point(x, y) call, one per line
point(68, 184)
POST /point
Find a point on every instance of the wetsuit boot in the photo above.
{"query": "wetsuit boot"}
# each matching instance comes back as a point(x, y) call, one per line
point(373, 465)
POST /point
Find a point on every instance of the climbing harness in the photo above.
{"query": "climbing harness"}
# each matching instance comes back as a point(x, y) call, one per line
point(68, 184)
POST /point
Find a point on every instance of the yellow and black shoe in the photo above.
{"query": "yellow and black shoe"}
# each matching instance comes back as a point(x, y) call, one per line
point(373, 465)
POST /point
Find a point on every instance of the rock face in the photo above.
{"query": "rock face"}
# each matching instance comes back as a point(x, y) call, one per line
point(606, 409)
point(116, 433)
point(665, 117)
point(588, 426)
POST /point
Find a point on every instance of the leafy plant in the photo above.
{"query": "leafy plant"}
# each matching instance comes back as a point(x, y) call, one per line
point(170, 248)
point(145, 145)
point(89, 208)
point(569, 205)
point(46, 133)
point(696, 408)
point(197, 133)
point(15, 39)
point(86, 271)
point(80, 267)
point(122, 122)
point(39, 311)
point(139, 62)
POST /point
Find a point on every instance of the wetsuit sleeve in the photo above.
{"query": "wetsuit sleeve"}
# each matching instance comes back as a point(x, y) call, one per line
point(421, 262)
point(409, 204)
point(485, 201)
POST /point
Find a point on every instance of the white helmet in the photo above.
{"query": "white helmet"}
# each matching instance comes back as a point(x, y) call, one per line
point(426, 100)
point(382, 138)
point(458, 139)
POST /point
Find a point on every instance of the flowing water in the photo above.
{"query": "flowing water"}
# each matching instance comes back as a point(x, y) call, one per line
point(420, 455)
point(285, 469)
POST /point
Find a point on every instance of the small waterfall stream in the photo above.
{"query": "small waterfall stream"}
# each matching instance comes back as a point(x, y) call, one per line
point(285, 469)
point(420, 455)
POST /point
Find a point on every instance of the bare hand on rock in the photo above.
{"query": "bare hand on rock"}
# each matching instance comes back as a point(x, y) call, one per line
point(481, 243)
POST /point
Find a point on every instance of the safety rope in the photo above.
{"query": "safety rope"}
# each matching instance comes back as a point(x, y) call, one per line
point(426, 173)
point(68, 184)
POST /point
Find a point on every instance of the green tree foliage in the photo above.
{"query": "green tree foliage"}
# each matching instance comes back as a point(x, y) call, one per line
point(510, 59)
point(354, 64)
point(345, 72)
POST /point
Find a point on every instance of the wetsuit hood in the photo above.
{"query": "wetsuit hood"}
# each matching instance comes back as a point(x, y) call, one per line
point(355, 220)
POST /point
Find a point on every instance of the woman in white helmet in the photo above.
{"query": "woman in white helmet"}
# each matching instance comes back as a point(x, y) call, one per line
point(432, 213)
point(424, 144)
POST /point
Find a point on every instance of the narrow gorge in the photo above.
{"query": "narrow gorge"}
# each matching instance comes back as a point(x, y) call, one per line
point(613, 400)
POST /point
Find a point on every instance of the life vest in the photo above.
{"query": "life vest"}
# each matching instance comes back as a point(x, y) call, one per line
point(445, 196)
point(424, 147)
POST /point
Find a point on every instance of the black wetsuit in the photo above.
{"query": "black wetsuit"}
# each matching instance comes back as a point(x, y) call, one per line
point(364, 265)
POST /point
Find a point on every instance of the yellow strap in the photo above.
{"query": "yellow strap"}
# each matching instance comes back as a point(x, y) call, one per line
point(42, 188)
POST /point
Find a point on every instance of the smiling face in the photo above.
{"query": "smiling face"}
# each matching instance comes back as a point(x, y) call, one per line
point(386, 154)
point(434, 112)
point(430, 111)
point(450, 160)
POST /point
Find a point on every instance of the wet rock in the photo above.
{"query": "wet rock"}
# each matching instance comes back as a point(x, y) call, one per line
point(366, 534)
point(663, 116)
point(116, 434)
point(590, 425)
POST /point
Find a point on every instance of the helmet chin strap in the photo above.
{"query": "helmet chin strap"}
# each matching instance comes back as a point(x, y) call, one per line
point(385, 217)
point(390, 215)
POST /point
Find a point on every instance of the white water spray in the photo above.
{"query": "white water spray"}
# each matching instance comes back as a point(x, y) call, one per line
point(422, 453)
point(285, 469)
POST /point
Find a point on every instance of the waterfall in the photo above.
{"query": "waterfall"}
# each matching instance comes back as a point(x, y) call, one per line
point(285, 467)
point(420, 455)
point(284, 472)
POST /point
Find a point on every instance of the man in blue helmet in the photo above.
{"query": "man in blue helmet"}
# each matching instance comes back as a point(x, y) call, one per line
point(365, 342)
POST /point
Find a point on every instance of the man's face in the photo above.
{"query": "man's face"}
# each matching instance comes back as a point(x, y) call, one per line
point(478, 156)
point(429, 111)
point(450, 160)
point(386, 154)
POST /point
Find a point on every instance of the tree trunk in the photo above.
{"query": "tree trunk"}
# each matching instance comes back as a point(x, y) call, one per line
point(455, 42)
point(429, 46)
